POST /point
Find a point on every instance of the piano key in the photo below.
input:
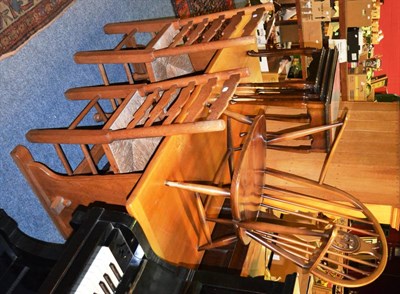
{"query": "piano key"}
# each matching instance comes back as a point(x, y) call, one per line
point(104, 287)
point(103, 275)
point(103, 261)
point(115, 271)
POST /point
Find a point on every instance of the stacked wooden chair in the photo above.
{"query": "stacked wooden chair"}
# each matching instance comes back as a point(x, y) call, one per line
point(175, 47)
point(312, 87)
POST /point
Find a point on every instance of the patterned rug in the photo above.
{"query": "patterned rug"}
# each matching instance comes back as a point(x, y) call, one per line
point(20, 19)
point(186, 8)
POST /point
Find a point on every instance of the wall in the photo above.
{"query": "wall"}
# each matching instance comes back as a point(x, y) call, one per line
point(388, 47)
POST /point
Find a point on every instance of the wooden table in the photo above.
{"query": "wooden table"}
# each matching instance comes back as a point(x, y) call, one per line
point(168, 216)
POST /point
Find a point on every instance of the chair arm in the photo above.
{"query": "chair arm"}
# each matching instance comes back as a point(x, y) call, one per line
point(97, 136)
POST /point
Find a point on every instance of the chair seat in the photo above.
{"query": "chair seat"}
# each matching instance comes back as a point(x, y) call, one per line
point(170, 66)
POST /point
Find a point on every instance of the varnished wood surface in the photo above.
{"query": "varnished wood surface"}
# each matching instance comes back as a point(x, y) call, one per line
point(168, 216)
point(104, 136)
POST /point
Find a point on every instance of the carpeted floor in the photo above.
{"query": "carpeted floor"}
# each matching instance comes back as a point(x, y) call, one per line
point(32, 86)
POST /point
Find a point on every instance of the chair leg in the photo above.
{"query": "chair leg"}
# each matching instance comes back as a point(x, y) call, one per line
point(202, 215)
point(302, 133)
point(296, 149)
point(223, 241)
point(299, 118)
point(198, 188)
point(283, 52)
point(239, 117)
point(333, 148)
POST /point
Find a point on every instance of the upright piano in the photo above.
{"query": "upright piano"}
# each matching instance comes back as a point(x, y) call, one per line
point(107, 253)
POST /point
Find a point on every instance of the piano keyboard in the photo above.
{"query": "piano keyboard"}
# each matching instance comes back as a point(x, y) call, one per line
point(103, 275)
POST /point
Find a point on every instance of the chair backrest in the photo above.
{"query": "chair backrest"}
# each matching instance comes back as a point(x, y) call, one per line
point(188, 105)
point(316, 72)
point(167, 53)
point(356, 252)
point(329, 75)
point(317, 86)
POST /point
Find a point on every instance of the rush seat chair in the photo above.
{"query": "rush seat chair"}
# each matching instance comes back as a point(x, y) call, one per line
point(100, 152)
point(174, 47)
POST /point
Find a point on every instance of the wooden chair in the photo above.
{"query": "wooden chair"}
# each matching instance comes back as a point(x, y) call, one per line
point(308, 88)
point(328, 238)
point(110, 148)
point(176, 46)
point(313, 98)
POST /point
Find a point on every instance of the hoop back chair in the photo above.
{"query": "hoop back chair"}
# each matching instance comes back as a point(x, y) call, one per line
point(328, 238)
point(109, 168)
point(171, 50)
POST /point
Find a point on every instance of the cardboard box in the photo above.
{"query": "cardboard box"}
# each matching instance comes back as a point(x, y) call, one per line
point(321, 10)
point(357, 87)
point(312, 34)
point(358, 13)
point(312, 10)
point(289, 33)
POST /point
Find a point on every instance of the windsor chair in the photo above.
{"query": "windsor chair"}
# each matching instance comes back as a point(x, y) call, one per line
point(328, 238)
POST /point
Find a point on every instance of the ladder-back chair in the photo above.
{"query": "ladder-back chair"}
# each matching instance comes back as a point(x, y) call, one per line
point(109, 148)
point(176, 46)
point(328, 238)
point(142, 111)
